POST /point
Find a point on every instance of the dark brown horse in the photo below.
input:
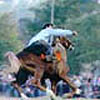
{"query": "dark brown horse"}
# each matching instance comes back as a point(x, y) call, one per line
point(55, 70)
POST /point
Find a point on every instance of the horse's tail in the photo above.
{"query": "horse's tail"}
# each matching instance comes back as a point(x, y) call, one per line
point(14, 61)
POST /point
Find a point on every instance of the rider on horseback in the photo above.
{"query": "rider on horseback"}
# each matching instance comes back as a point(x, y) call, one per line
point(42, 42)
point(39, 45)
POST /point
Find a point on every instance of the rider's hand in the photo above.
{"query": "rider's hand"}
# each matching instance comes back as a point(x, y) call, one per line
point(75, 33)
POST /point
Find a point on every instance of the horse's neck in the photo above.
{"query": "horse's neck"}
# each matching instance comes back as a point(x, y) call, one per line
point(59, 47)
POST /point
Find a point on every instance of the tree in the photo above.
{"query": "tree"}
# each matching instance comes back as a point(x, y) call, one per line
point(8, 35)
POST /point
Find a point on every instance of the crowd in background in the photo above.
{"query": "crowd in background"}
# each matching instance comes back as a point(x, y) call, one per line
point(90, 87)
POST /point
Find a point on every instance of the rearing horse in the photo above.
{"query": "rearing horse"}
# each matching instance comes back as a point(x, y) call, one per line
point(55, 70)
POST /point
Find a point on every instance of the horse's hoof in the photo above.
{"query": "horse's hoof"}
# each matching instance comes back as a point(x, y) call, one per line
point(68, 95)
point(24, 96)
point(51, 94)
point(78, 91)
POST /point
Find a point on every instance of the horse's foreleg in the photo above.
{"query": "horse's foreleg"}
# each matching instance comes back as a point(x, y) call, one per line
point(36, 82)
point(70, 83)
point(42, 88)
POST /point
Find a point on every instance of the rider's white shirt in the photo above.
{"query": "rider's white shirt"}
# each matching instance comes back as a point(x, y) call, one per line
point(48, 33)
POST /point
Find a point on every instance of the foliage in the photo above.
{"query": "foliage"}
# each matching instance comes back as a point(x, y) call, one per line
point(8, 35)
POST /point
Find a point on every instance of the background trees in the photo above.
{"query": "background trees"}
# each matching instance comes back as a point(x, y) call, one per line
point(8, 35)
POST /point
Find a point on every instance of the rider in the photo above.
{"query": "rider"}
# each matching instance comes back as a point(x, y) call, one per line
point(45, 37)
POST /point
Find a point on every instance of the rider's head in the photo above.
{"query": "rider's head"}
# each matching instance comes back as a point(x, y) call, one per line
point(48, 25)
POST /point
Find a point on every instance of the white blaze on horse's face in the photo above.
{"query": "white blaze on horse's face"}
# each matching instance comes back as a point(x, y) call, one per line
point(66, 44)
point(71, 47)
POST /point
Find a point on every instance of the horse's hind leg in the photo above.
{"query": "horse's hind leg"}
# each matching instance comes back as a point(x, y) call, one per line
point(21, 78)
point(19, 89)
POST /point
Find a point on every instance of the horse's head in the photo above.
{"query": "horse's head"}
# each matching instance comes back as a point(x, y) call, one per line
point(65, 42)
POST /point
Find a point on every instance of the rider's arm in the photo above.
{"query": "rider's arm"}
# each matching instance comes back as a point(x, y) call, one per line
point(62, 32)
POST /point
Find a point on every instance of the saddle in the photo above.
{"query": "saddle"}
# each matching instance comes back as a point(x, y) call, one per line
point(37, 48)
point(41, 49)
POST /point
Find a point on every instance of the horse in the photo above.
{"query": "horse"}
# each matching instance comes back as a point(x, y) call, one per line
point(55, 70)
